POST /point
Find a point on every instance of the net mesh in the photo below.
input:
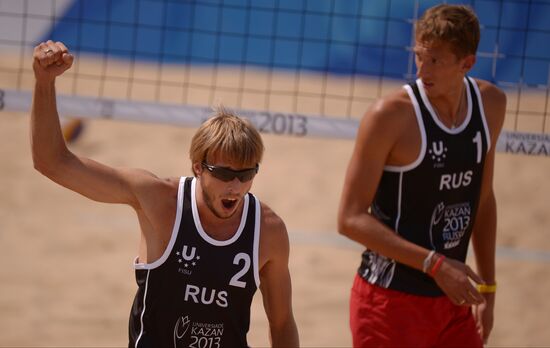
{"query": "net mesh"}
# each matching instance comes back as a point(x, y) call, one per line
point(326, 58)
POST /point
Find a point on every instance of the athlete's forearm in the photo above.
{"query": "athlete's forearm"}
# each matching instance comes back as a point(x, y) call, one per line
point(484, 239)
point(286, 336)
point(47, 142)
point(368, 231)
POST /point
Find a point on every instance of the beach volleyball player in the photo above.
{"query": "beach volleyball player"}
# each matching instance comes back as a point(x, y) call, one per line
point(206, 243)
point(419, 184)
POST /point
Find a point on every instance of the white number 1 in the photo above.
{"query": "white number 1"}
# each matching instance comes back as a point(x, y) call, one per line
point(477, 141)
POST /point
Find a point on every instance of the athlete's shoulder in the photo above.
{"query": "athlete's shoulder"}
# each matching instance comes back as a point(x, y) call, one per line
point(156, 193)
point(162, 185)
point(490, 92)
point(172, 181)
point(388, 118)
point(274, 243)
point(271, 222)
point(494, 103)
point(394, 104)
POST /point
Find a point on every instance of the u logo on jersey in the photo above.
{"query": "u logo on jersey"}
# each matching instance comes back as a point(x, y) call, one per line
point(191, 255)
point(438, 153)
point(187, 258)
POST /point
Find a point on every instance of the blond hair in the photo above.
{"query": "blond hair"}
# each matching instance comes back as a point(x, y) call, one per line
point(227, 136)
point(455, 24)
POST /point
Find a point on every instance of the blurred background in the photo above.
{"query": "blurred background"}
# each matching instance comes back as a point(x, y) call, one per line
point(147, 73)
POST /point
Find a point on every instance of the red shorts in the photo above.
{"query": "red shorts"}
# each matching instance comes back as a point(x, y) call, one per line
point(382, 317)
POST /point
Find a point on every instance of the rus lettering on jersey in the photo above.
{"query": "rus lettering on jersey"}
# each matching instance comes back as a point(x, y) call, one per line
point(205, 296)
point(455, 180)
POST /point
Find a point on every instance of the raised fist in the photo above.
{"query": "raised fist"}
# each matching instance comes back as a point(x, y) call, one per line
point(51, 59)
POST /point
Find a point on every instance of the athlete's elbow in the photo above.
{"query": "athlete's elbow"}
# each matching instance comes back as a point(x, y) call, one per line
point(285, 333)
point(345, 224)
point(45, 169)
point(47, 165)
point(40, 165)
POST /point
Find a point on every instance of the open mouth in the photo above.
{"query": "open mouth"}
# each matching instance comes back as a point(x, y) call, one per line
point(229, 203)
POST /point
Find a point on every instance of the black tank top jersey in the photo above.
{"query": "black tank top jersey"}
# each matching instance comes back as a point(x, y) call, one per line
point(433, 201)
point(198, 294)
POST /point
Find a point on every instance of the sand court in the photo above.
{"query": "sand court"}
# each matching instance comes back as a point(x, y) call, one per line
point(67, 277)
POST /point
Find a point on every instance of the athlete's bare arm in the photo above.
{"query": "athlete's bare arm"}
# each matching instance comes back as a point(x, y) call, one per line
point(150, 196)
point(484, 231)
point(380, 131)
point(275, 283)
point(384, 137)
point(50, 154)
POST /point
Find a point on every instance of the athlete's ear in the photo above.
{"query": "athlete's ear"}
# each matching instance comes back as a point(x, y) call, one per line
point(468, 62)
point(197, 169)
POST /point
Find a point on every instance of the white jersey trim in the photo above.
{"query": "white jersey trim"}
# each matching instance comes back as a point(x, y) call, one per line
point(423, 145)
point(400, 192)
point(144, 307)
point(482, 112)
point(175, 229)
point(256, 247)
point(201, 230)
point(434, 114)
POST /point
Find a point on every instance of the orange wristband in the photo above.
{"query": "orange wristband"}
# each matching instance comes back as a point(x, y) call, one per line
point(438, 263)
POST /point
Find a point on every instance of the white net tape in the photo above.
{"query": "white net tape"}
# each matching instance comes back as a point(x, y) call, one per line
point(280, 123)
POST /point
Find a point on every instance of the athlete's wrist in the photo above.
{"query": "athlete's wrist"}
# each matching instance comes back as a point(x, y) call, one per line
point(437, 264)
point(487, 288)
point(427, 263)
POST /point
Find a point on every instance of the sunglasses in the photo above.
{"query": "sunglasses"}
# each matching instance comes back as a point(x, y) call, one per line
point(226, 174)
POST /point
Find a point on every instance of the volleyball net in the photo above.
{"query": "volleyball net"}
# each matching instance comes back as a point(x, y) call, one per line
point(294, 67)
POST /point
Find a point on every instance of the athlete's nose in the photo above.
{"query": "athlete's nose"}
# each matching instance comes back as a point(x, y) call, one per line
point(234, 186)
point(420, 70)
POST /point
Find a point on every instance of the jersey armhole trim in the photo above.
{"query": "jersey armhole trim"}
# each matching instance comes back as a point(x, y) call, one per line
point(420, 123)
point(482, 113)
point(144, 308)
point(399, 196)
point(256, 246)
point(175, 230)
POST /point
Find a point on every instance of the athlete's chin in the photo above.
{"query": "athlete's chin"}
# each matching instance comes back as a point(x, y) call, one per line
point(433, 93)
point(226, 213)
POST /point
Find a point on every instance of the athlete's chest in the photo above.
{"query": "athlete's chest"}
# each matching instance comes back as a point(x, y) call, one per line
point(198, 260)
point(437, 149)
point(451, 151)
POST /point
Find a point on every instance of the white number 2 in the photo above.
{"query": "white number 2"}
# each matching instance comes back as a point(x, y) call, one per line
point(235, 280)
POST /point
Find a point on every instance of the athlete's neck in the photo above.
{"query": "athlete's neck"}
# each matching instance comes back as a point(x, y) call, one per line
point(217, 227)
point(451, 108)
